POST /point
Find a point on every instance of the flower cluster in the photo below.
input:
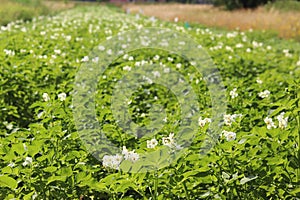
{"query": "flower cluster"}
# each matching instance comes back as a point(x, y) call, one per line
point(114, 161)
point(282, 121)
point(169, 141)
point(264, 94)
point(233, 93)
point(229, 135)
point(130, 155)
point(229, 119)
point(204, 121)
point(152, 143)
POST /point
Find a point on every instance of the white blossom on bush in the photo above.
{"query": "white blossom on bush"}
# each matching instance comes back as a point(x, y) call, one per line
point(112, 161)
point(169, 141)
point(46, 97)
point(152, 143)
point(204, 121)
point(229, 135)
point(130, 155)
point(62, 96)
point(264, 94)
point(269, 122)
point(282, 121)
point(229, 119)
point(28, 161)
point(233, 93)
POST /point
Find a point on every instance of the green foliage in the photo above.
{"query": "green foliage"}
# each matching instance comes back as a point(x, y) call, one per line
point(42, 155)
point(235, 4)
point(20, 10)
point(291, 5)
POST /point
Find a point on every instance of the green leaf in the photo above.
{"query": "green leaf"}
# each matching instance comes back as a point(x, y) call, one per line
point(56, 178)
point(50, 169)
point(6, 181)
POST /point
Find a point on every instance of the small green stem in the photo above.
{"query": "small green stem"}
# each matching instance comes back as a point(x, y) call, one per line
point(155, 185)
point(298, 169)
point(186, 191)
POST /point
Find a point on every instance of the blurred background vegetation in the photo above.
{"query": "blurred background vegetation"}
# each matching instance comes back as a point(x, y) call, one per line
point(11, 10)
point(281, 16)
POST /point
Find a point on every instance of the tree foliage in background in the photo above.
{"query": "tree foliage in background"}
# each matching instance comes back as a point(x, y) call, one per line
point(235, 4)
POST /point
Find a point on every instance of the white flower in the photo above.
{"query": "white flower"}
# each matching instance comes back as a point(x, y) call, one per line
point(112, 161)
point(101, 48)
point(228, 119)
point(168, 141)
point(156, 57)
point(259, 81)
point(126, 68)
point(95, 60)
point(167, 70)
point(170, 59)
point(228, 48)
point(23, 29)
point(57, 51)
point(156, 74)
point(62, 96)
point(137, 64)
point(85, 59)
point(152, 143)
point(9, 126)
point(239, 45)
point(107, 160)
point(125, 151)
point(9, 52)
point(11, 164)
point(130, 155)
point(264, 94)
point(202, 122)
point(68, 38)
point(282, 122)
point(269, 122)
point(287, 53)
point(46, 97)
point(133, 157)
point(229, 135)
point(178, 65)
point(28, 161)
point(298, 63)
point(233, 93)
point(130, 58)
point(255, 44)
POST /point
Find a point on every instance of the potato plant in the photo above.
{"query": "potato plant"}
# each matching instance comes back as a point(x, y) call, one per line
point(256, 155)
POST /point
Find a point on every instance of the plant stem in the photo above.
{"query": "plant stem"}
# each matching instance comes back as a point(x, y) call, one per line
point(186, 191)
point(155, 185)
point(298, 169)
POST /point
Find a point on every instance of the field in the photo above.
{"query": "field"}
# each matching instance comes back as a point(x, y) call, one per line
point(277, 18)
point(99, 104)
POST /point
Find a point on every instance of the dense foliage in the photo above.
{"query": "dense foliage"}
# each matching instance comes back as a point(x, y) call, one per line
point(11, 10)
point(235, 4)
point(42, 157)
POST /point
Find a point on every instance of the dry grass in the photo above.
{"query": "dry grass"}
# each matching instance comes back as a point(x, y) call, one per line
point(286, 24)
